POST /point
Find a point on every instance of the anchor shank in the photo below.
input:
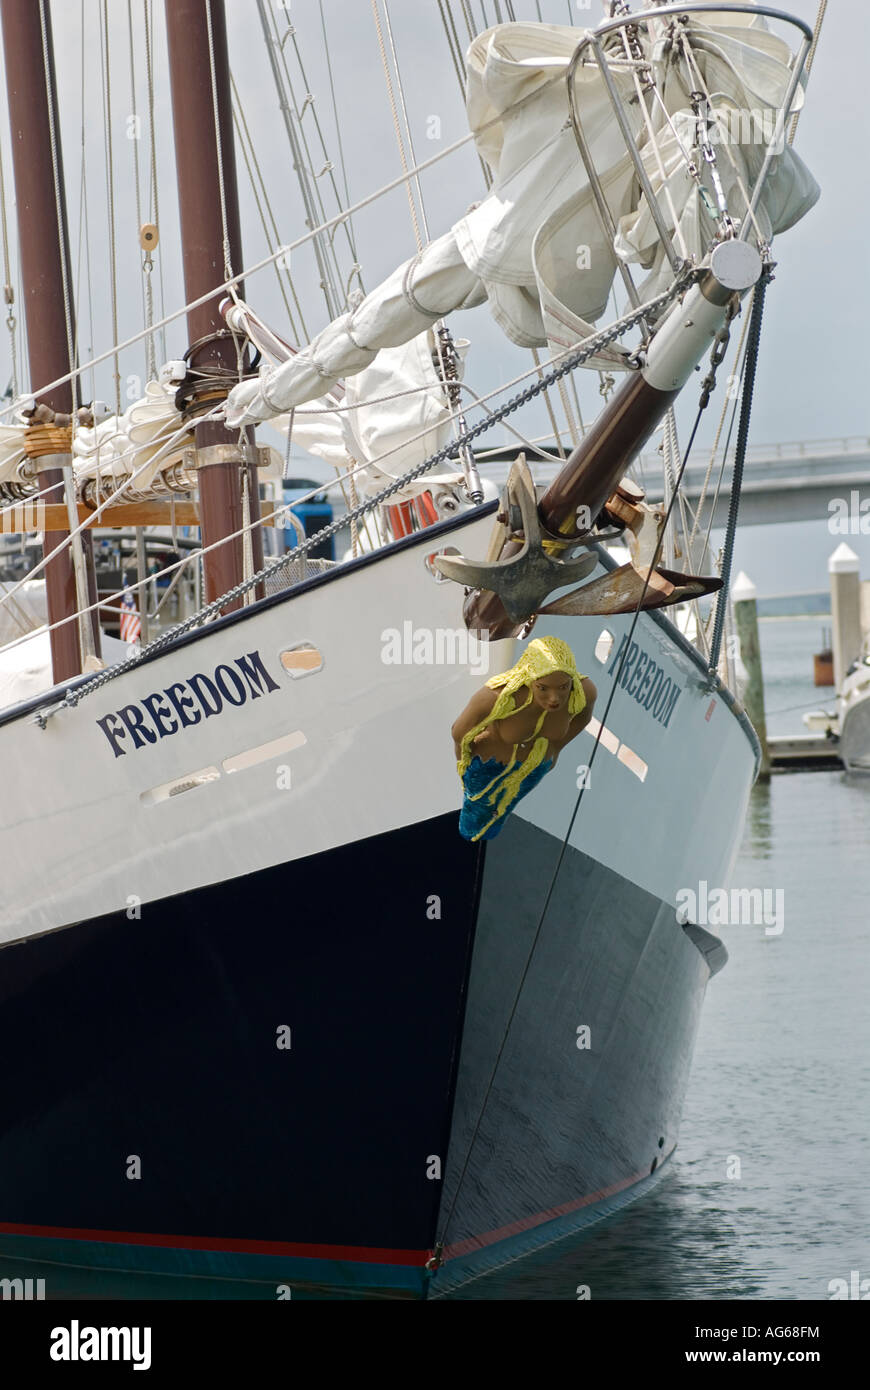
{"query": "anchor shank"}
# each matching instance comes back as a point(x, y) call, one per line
point(603, 455)
point(588, 478)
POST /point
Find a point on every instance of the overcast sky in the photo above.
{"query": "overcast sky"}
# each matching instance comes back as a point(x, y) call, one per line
point(813, 367)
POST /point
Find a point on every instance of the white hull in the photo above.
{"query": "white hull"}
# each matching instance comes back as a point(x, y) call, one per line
point(854, 711)
point(372, 753)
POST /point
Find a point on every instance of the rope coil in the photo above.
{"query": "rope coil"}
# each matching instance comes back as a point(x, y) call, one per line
point(47, 439)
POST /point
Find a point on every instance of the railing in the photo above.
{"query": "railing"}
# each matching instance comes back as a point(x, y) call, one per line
point(852, 446)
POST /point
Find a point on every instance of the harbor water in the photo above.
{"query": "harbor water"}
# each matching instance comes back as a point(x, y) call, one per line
point(766, 1196)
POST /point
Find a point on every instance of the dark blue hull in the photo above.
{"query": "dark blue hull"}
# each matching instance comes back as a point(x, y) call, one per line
point(334, 1162)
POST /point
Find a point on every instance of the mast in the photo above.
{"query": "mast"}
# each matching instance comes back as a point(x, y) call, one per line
point(208, 199)
point(45, 270)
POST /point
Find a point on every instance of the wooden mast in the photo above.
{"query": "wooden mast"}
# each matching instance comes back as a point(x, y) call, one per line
point(45, 268)
point(202, 179)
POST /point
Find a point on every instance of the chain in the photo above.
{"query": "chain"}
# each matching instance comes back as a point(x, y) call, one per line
point(701, 108)
point(720, 348)
point(575, 359)
point(446, 361)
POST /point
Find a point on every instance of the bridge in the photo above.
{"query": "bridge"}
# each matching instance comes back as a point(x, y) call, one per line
point(781, 482)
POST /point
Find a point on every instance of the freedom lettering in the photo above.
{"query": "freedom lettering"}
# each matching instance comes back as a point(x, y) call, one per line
point(185, 703)
point(646, 681)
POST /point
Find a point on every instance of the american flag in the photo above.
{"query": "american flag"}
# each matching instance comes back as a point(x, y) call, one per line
point(131, 624)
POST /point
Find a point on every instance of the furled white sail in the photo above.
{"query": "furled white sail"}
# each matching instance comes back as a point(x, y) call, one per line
point(535, 248)
point(394, 415)
point(127, 451)
point(114, 449)
point(25, 670)
point(24, 612)
point(119, 446)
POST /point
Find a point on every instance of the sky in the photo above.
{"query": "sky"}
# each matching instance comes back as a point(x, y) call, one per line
point(811, 381)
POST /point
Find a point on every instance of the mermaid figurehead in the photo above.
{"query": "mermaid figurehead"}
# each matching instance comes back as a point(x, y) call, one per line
point(543, 657)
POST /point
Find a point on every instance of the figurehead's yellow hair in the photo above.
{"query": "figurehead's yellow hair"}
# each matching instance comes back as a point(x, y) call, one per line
point(542, 657)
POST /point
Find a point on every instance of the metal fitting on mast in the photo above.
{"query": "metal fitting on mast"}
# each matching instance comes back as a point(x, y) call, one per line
point(447, 361)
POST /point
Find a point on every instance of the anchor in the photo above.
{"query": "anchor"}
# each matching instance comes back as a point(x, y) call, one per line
point(524, 579)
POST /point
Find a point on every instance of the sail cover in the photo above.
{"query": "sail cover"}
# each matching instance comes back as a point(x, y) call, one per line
point(535, 247)
point(394, 412)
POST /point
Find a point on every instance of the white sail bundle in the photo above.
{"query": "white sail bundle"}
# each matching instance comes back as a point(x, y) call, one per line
point(394, 415)
point(535, 247)
point(128, 451)
point(14, 464)
point(118, 447)
point(114, 449)
point(21, 611)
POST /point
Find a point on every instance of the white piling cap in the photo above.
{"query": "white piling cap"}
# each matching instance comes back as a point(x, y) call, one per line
point(743, 588)
point(844, 560)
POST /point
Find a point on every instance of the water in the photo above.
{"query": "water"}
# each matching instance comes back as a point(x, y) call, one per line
point(781, 1075)
point(779, 1091)
point(787, 647)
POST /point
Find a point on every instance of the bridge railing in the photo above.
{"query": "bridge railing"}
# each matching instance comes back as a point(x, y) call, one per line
point(851, 445)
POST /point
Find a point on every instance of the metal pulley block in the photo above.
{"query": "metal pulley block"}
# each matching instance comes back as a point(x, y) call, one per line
point(643, 526)
point(524, 580)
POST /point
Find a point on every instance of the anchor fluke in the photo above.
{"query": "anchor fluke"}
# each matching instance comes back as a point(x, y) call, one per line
point(622, 591)
point(522, 581)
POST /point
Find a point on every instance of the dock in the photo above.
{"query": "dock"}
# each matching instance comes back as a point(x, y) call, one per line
point(803, 753)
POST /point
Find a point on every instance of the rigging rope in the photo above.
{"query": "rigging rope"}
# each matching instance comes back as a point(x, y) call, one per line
point(328, 165)
point(588, 348)
point(8, 289)
point(338, 138)
point(110, 189)
point(307, 177)
point(155, 205)
point(412, 205)
point(401, 91)
point(449, 25)
point(817, 30)
point(752, 343)
point(216, 116)
point(272, 235)
point(58, 200)
point(134, 116)
point(737, 375)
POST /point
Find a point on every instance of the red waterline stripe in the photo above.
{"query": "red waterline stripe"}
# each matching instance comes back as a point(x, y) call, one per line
point(360, 1253)
point(527, 1223)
